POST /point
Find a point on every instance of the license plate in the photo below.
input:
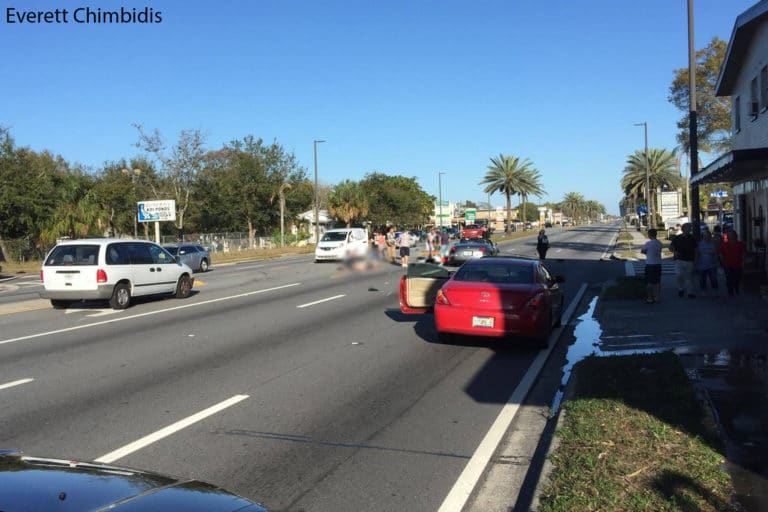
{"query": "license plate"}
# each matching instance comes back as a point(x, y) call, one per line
point(468, 254)
point(482, 321)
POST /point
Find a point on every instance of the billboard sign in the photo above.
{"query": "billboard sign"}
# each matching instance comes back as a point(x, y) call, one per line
point(153, 211)
point(470, 214)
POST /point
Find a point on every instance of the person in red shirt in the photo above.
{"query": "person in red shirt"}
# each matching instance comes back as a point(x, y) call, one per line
point(732, 258)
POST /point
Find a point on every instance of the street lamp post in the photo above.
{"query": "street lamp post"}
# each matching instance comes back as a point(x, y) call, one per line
point(317, 214)
point(440, 196)
point(651, 216)
point(134, 174)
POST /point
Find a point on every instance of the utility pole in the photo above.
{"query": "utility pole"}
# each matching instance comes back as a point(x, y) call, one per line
point(693, 129)
point(317, 215)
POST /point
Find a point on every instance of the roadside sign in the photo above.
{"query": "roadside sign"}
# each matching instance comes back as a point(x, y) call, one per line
point(153, 211)
point(719, 193)
point(470, 214)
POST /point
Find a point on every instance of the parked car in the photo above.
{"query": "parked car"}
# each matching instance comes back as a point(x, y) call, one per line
point(196, 256)
point(470, 248)
point(453, 233)
point(33, 483)
point(111, 269)
point(496, 297)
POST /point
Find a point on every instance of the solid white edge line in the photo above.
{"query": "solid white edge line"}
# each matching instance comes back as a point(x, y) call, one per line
point(185, 306)
point(321, 301)
point(614, 239)
point(473, 471)
point(15, 383)
point(167, 431)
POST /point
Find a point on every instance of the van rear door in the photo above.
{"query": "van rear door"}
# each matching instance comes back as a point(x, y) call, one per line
point(71, 267)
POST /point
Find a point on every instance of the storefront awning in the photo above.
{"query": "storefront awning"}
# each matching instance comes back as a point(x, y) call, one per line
point(735, 166)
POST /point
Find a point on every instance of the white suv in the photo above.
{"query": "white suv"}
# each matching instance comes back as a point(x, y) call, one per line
point(111, 269)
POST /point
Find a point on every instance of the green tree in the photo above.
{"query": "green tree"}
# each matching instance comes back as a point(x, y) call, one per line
point(530, 185)
point(573, 205)
point(347, 202)
point(180, 165)
point(713, 113)
point(662, 171)
point(507, 175)
point(396, 200)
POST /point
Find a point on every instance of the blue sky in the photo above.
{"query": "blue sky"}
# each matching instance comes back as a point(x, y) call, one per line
point(402, 87)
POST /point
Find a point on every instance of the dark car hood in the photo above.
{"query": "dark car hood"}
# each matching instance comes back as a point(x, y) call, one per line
point(32, 484)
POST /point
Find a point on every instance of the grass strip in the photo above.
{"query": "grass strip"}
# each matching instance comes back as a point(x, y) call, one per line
point(633, 439)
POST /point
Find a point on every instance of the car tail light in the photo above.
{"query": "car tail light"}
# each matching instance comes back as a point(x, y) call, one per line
point(535, 302)
point(453, 250)
point(101, 276)
point(483, 248)
point(42, 280)
point(442, 298)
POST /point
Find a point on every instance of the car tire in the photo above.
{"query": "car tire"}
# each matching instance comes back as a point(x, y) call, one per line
point(60, 304)
point(121, 296)
point(204, 265)
point(183, 287)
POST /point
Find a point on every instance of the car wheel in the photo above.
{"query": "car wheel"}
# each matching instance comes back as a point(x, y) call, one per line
point(183, 287)
point(60, 304)
point(204, 265)
point(121, 296)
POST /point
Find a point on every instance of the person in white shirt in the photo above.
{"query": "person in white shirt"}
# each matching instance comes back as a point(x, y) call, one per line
point(652, 250)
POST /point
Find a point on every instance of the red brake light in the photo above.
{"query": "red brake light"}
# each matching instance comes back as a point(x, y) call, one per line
point(101, 276)
point(483, 248)
point(453, 250)
point(41, 276)
point(442, 298)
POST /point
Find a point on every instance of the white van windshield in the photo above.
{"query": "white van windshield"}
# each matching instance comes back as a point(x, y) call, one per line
point(334, 236)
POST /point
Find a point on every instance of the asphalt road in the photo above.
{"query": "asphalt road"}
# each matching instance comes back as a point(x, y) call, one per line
point(297, 384)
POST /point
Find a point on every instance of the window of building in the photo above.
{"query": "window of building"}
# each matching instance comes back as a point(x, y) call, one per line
point(736, 114)
point(764, 89)
point(754, 106)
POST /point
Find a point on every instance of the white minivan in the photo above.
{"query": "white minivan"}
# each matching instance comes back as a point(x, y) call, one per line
point(340, 244)
point(111, 269)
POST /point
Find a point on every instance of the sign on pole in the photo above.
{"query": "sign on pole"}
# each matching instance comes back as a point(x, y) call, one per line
point(470, 214)
point(154, 211)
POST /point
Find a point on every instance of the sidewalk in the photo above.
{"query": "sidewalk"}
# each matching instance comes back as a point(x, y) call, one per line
point(723, 345)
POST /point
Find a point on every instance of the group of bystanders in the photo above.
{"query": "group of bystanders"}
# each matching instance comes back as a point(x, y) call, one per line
point(704, 258)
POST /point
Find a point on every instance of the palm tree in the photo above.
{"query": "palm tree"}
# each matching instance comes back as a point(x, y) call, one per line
point(662, 170)
point(347, 202)
point(507, 175)
point(573, 203)
point(280, 193)
point(530, 185)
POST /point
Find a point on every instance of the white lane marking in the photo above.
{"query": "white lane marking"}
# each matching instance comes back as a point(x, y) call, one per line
point(320, 301)
point(170, 429)
point(248, 267)
point(94, 312)
point(185, 306)
point(15, 383)
point(465, 485)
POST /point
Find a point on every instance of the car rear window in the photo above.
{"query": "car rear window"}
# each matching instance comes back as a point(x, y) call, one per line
point(73, 255)
point(500, 274)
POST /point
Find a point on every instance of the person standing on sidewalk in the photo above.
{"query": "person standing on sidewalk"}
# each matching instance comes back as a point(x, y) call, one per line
point(684, 248)
point(652, 250)
point(431, 236)
point(542, 244)
point(404, 240)
point(732, 254)
point(706, 263)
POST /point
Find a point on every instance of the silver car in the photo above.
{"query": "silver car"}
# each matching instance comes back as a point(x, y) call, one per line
point(195, 256)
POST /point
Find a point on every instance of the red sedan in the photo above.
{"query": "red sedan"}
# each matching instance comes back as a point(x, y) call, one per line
point(497, 296)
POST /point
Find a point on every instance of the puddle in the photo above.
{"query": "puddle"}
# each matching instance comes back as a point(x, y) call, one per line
point(735, 380)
